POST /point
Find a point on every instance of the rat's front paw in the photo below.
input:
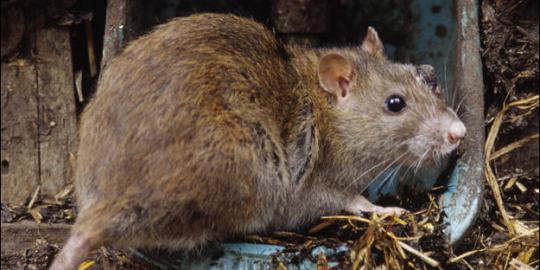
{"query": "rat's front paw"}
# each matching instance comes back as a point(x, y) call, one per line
point(360, 204)
point(391, 211)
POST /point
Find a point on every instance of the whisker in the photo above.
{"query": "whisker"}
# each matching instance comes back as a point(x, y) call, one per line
point(461, 102)
point(435, 158)
point(390, 176)
point(419, 164)
point(366, 172)
point(454, 95)
point(386, 168)
point(445, 65)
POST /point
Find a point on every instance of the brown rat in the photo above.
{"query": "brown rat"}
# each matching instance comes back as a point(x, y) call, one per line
point(209, 127)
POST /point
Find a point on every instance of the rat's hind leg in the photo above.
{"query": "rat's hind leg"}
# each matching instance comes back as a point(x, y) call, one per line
point(95, 226)
point(127, 224)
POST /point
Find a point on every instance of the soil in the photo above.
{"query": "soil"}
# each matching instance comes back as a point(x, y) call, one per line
point(510, 56)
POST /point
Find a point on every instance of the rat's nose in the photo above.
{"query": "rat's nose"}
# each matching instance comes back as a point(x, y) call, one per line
point(456, 132)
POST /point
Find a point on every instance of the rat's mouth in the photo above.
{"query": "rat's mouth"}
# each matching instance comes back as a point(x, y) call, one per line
point(448, 148)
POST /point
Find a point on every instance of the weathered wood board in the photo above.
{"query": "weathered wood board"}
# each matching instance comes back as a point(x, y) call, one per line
point(19, 147)
point(38, 118)
point(57, 117)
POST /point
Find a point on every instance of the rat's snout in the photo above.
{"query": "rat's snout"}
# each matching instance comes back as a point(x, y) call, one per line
point(456, 132)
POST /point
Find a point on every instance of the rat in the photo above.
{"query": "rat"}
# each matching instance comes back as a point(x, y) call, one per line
point(209, 127)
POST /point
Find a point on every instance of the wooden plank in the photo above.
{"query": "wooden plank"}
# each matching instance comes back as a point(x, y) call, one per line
point(57, 118)
point(19, 144)
point(21, 236)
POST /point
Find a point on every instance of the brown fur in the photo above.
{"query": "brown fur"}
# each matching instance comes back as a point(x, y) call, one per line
point(208, 127)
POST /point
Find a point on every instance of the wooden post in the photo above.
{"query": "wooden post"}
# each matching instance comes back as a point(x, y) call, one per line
point(123, 23)
point(38, 103)
point(57, 118)
point(38, 118)
point(19, 147)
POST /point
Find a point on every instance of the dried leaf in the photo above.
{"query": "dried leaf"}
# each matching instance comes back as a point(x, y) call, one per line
point(86, 265)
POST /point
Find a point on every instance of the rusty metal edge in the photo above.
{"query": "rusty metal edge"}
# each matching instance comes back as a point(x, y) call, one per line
point(467, 199)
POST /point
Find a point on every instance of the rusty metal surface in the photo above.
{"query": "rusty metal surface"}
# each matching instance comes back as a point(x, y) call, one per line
point(463, 205)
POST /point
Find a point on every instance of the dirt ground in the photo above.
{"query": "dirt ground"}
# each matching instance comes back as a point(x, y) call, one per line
point(510, 55)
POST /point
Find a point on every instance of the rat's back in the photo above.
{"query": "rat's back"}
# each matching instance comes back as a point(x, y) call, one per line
point(183, 132)
point(192, 78)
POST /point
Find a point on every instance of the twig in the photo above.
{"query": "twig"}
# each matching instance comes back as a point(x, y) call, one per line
point(78, 85)
point(90, 47)
point(419, 254)
point(509, 148)
point(490, 176)
point(466, 254)
point(527, 103)
point(348, 217)
point(319, 227)
point(493, 248)
point(34, 198)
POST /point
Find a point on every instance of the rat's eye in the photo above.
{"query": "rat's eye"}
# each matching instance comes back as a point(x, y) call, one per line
point(395, 103)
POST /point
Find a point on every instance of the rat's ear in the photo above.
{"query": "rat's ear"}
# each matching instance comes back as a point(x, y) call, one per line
point(372, 44)
point(335, 75)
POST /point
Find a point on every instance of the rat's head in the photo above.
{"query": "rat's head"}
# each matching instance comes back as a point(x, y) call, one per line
point(391, 110)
